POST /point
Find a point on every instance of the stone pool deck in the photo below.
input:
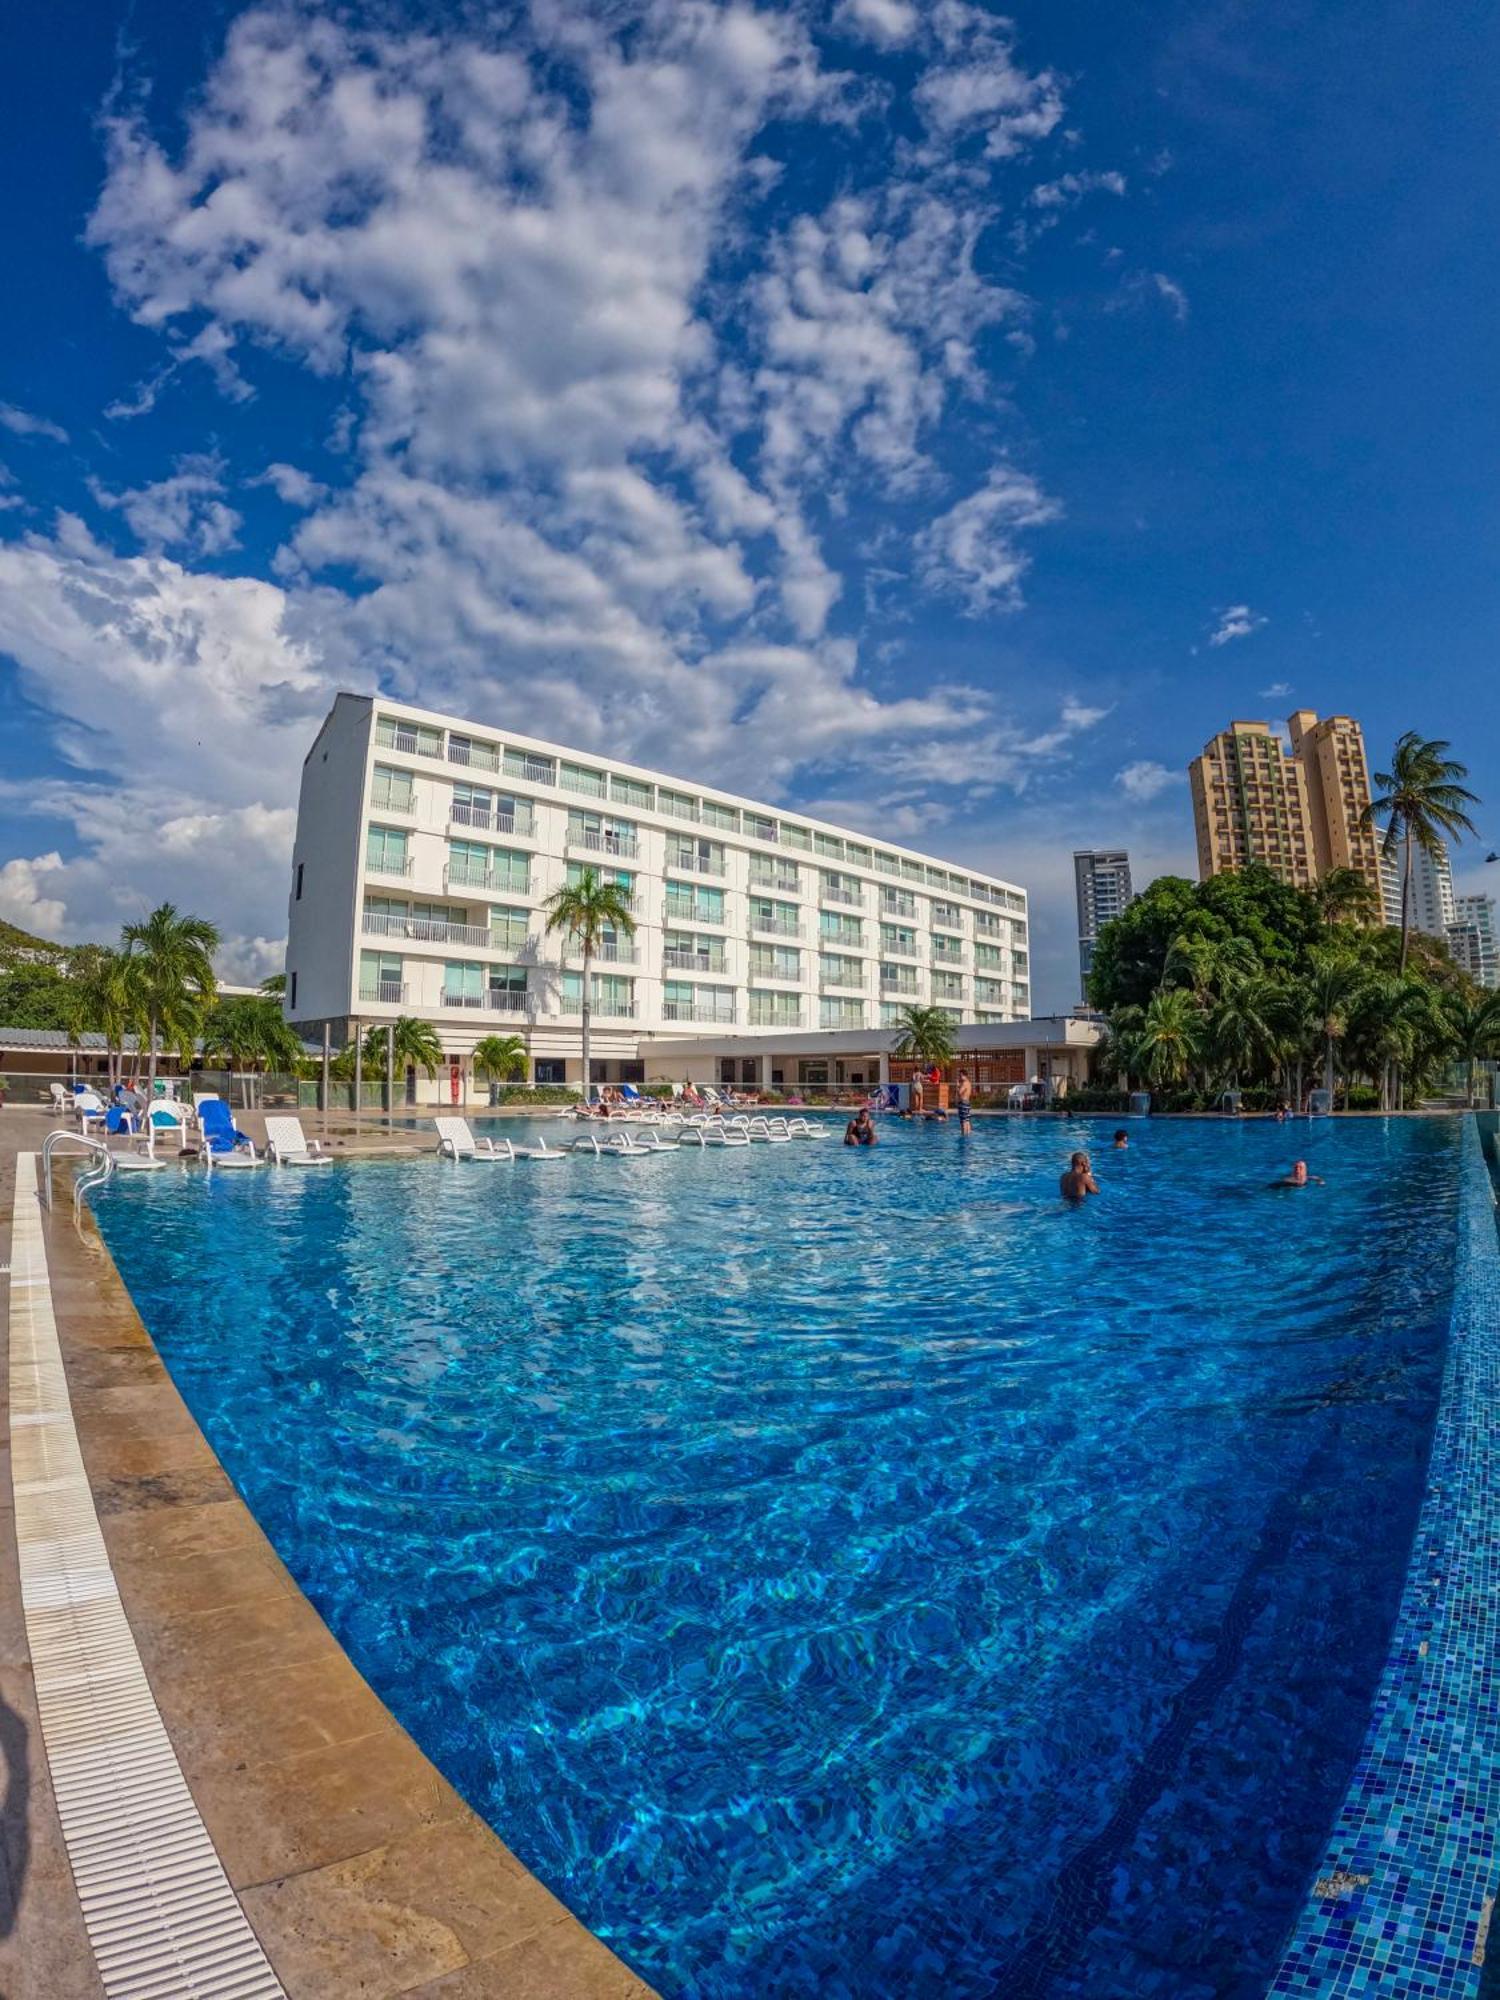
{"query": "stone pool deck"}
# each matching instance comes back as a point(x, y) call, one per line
point(359, 1868)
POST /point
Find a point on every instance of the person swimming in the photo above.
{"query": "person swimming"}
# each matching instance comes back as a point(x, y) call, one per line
point(1299, 1177)
point(1078, 1181)
point(860, 1131)
point(1122, 1140)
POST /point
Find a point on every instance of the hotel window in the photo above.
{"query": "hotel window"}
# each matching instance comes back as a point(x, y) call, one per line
point(855, 855)
point(580, 778)
point(834, 970)
point(988, 954)
point(688, 904)
point(887, 864)
point(947, 986)
point(771, 872)
point(607, 994)
point(947, 916)
point(897, 978)
point(841, 1013)
point(601, 872)
point(780, 917)
point(900, 939)
point(913, 871)
point(838, 888)
point(775, 1010)
point(898, 902)
point(829, 844)
point(775, 961)
point(416, 739)
point(299, 882)
point(482, 756)
point(386, 850)
point(530, 765)
point(989, 993)
point(471, 862)
point(758, 827)
point(463, 984)
point(602, 833)
point(684, 951)
point(676, 805)
point(834, 929)
point(380, 978)
point(704, 857)
point(795, 836)
point(391, 791)
point(509, 927)
point(631, 792)
point(725, 817)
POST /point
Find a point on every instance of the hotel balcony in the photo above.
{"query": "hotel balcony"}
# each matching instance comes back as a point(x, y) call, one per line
point(787, 1021)
point(457, 877)
point(423, 930)
point(694, 961)
point(622, 952)
point(691, 920)
point(852, 899)
point(785, 885)
point(383, 993)
point(776, 926)
point(495, 1000)
point(907, 986)
point(696, 864)
point(389, 867)
point(696, 1010)
point(521, 823)
point(599, 1010)
point(614, 844)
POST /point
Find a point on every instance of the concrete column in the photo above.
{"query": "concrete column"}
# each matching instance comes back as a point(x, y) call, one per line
point(765, 1073)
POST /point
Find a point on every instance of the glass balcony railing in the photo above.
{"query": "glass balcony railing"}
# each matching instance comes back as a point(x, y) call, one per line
point(388, 864)
point(760, 1019)
point(777, 926)
point(489, 820)
point(609, 1010)
point(382, 993)
point(696, 1010)
point(424, 930)
point(694, 961)
point(605, 843)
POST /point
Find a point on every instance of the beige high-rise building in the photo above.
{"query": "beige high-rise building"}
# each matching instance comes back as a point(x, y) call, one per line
point(1332, 756)
point(1250, 806)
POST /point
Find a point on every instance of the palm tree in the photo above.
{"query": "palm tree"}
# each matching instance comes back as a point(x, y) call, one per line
point(1332, 988)
point(251, 1035)
point(586, 912)
point(501, 1058)
point(924, 1035)
point(1474, 1026)
point(172, 958)
point(1344, 895)
point(414, 1045)
point(1243, 1027)
point(275, 985)
point(1420, 799)
point(106, 1001)
point(1169, 1037)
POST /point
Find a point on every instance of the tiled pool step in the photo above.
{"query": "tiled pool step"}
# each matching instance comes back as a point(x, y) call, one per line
point(162, 1918)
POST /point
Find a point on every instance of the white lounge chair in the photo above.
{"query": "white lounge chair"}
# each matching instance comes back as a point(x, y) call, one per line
point(774, 1133)
point(457, 1142)
point(541, 1152)
point(288, 1147)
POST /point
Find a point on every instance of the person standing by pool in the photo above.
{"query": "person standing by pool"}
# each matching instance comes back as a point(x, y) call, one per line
point(965, 1095)
point(1078, 1181)
point(916, 1094)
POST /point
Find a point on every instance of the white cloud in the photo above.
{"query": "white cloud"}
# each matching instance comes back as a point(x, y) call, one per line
point(1277, 691)
point(24, 424)
point(1172, 293)
point(23, 897)
point(1143, 780)
point(884, 22)
point(184, 511)
point(1071, 188)
point(1236, 621)
point(972, 552)
point(978, 85)
point(295, 487)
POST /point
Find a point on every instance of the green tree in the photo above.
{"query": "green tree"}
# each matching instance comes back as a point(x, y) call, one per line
point(1130, 954)
point(275, 985)
point(1170, 1038)
point(924, 1035)
point(1345, 896)
point(1420, 799)
point(1244, 1028)
point(1475, 1029)
point(171, 960)
point(588, 912)
point(105, 999)
point(34, 996)
point(250, 1034)
point(502, 1058)
point(416, 1046)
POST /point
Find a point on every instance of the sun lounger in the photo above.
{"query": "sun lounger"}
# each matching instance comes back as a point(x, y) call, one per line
point(457, 1142)
point(541, 1152)
point(289, 1148)
point(224, 1145)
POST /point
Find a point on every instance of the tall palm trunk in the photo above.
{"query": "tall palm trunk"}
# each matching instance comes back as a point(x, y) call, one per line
point(588, 989)
point(1328, 1068)
point(1406, 900)
point(151, 1058)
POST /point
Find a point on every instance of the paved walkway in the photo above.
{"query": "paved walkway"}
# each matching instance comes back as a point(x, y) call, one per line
point(360, 1869)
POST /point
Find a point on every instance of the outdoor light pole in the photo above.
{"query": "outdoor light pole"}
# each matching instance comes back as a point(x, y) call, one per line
point(390, 1077)
point(359, 1069)
point(327, 1065)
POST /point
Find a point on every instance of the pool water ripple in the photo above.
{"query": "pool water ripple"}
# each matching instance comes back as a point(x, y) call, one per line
point(852, 1574)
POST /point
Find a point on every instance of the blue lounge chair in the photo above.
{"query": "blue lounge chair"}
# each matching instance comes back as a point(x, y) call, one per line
point(224, 1145)
point(630, 1094)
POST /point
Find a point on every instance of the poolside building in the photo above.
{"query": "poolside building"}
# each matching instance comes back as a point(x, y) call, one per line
point(426, 846)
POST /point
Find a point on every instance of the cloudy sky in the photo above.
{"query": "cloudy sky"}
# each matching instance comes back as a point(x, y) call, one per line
point(938, 418)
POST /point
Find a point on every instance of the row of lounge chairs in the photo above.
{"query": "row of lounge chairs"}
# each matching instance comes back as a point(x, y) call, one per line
point(456, 1141)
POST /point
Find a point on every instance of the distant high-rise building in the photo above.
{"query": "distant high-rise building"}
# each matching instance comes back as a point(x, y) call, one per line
point(1473, 940)
point(1250, 806)
point(1337, 783)
point(1431, 904)
point(1102, 878)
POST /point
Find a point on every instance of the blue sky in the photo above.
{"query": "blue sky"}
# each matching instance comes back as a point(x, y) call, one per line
point(940, 418)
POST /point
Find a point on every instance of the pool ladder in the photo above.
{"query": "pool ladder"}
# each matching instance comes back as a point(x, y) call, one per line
point(102, 1165)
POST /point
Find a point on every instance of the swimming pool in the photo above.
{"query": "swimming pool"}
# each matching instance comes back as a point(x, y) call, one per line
point(852, 1573)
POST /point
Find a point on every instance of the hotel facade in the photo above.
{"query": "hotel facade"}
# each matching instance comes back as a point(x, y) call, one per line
point(426, 847)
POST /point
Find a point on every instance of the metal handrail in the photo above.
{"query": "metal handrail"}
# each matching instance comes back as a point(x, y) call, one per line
point(91, 1177)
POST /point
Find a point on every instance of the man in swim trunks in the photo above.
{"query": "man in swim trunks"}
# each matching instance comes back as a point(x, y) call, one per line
point(1079, 1180)
point(965, 1095)
point(860, 1131)
point(1300, 1177)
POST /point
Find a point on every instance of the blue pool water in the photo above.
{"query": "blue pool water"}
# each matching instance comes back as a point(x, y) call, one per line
point(842, 1573)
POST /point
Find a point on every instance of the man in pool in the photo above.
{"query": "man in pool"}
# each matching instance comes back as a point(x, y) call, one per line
point(1122, 1141)
point(1300, 1177)
point(1078, 1181)
point(860, 1131)
point(965, 1094)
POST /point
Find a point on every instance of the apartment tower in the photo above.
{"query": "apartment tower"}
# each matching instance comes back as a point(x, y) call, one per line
point(1474, 941)
point(1101, 877)
point(1250, 806)
point(1337, 783)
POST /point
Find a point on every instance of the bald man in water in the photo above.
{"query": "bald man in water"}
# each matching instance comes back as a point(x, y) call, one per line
point(1079, 1180)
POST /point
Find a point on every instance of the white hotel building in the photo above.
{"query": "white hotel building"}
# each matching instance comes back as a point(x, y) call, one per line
point(426, 847)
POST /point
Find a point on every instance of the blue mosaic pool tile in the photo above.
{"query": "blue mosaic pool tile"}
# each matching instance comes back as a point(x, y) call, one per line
point(1401, 1903)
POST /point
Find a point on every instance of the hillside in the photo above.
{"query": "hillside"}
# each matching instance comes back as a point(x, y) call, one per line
point(18, 944)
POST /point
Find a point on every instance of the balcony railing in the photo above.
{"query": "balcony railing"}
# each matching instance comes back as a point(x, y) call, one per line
point(941, 957)
point(523, 823)
point(382, 993)
point(611, 1010)
point(898, 985)
point(840, 981)
point(686, 918)
point(777, 926)
point(786, 885)
point(797, 1020)
point(424, 930)
point(532, 770)
point(675, 811)
point(406, 741)
point(767, 975)
point(888, 950)
point(495, 1000)
point(587, 784)
point(851, 898)
point(605, 843)
point(459, 876)
point(694, 961)
point(897, 906)
point(696, 864)
point(696, 1010)
point(389, 865)
point(474, 756)
point(406, 806)
point(619, 953)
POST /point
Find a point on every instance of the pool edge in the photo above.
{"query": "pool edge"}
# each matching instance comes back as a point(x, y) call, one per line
point(1407, 1882)
point(359, 1867)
